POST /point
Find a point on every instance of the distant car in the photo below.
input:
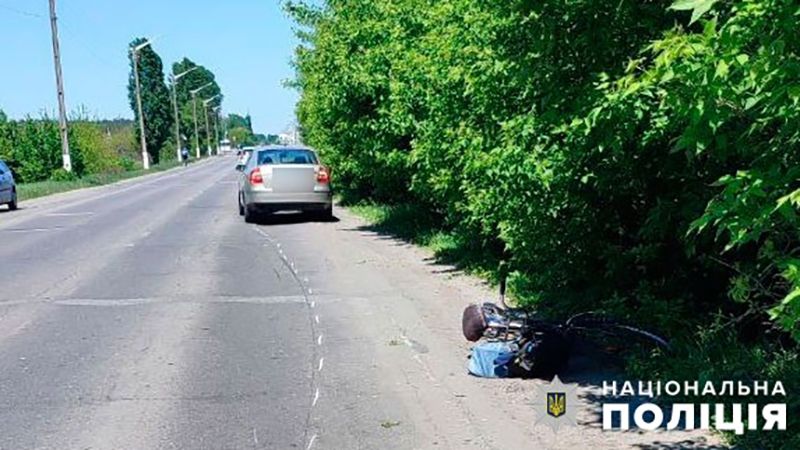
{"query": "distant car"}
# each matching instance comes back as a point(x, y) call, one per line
point(8, 189)
point(285, 179)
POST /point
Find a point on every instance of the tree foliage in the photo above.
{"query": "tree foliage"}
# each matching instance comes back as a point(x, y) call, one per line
point(156, 106)
point(636, 156)
point(32, 147)
point(197, 78)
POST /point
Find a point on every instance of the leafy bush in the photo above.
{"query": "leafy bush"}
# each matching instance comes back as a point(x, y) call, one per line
point(128, 164)
point(637, 156)
point(32, 147)
point(97, 156)
point(62, 175)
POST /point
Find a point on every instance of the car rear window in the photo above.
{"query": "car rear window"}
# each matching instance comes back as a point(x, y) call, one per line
point(286, 157)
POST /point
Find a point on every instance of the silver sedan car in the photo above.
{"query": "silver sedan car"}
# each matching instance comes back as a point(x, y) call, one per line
point(285, 179)
point(8, 189)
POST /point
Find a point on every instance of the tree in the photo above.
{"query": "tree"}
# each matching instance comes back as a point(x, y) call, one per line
point(198, 77)
point(240, 132)
point(156, 105)
point(237, 121)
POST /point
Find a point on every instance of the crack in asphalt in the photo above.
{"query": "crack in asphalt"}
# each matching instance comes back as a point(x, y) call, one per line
point(313, 323)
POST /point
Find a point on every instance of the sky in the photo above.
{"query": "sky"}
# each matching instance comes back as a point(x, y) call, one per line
point(248, 44)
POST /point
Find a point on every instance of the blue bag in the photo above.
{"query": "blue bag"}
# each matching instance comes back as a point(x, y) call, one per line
point(491, 359)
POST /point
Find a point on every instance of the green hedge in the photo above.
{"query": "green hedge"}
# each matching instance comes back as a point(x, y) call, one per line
point(634, 156)
point(32, 148)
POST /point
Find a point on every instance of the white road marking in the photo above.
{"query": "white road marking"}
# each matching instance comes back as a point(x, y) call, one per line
point(313, 304)
point(311, 442)
point(264, 234)
point(316, 397)
point(316, 319)
point(425, 368)
point(31, 230)
point(321, 361)
point(319, 340)
point(255, 436)
point(66, 214)
point(310, 291)
point(176, 300)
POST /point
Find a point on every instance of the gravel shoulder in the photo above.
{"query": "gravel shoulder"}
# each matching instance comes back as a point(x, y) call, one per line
point(408, 307)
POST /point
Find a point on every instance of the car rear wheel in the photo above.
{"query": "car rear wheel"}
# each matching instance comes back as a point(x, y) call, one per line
point(12, 205)
point(325, 215)
point(241, 206)
point(249, 214)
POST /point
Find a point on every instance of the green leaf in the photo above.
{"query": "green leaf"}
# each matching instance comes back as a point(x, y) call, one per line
point(742, 58)
point(750, 102)
point(698, 7)
point(794, 295)
point(722, 69)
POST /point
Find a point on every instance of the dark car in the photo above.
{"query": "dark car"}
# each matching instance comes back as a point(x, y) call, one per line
point(8, 189)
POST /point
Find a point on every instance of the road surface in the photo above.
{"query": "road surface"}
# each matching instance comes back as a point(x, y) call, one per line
point(148, 315)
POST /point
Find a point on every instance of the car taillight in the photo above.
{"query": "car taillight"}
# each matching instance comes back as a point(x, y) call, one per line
point(323, 175)
point(255, 176)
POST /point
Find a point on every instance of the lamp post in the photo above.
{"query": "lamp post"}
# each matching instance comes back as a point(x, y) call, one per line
point(174, 78)
point(135, 52)
point(216, 127)
point(194, 115)
point(205, 112)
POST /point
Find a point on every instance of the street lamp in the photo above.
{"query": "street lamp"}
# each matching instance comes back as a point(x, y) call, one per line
point(216, 126)
point(135, 52)
point(194, 115)
point(174, 78)
point(205, 112)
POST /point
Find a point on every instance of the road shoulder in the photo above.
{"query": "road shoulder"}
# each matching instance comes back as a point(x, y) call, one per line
point(421, 308)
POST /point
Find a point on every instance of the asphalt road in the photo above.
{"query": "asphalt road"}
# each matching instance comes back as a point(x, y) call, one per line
point(149, 315)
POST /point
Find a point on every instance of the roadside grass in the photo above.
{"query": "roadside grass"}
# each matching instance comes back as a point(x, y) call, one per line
point(29, 191)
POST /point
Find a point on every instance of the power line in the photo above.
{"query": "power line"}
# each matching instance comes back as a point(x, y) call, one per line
point(22, 12)
point(85, 45)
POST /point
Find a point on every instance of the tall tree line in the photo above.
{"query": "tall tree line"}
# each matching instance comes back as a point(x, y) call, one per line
point(157, 106)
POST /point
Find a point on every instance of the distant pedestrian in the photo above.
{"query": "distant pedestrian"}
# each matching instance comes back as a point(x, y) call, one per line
point(185, 156)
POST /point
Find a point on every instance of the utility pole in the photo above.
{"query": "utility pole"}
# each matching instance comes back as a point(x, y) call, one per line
point(62, 109)
point(208, 130)
point(174, 78)
point(194, 116)
point(143, 139)
point(177, 118)
point(216, 129)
